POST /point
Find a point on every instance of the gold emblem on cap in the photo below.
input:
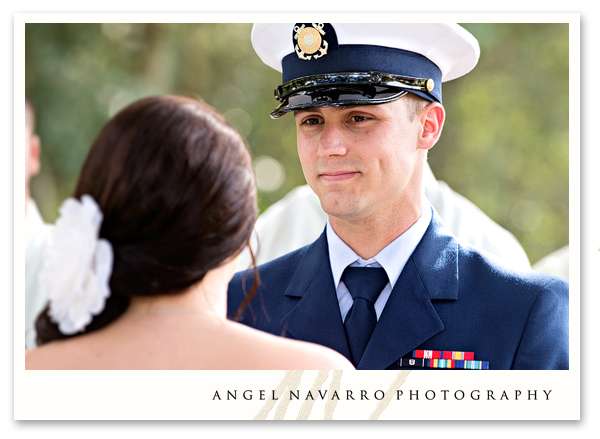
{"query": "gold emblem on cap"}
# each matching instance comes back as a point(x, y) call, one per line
point(310, 41)
point(429, 84)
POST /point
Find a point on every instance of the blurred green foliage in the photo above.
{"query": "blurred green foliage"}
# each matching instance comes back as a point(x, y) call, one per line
point(504, 146)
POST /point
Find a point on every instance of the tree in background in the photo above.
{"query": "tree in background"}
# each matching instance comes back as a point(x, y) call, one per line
point(505, 144)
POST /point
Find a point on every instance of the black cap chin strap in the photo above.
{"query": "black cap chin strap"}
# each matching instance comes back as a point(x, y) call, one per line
point(334, 80)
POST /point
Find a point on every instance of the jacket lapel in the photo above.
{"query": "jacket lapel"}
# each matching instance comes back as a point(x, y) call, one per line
point(316, 318)
point(409, 318)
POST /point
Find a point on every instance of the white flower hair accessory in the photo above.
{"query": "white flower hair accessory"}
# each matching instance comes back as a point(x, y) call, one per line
point(77, 265)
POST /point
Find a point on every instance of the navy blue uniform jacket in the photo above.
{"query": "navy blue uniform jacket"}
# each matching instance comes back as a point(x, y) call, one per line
point(448, 297)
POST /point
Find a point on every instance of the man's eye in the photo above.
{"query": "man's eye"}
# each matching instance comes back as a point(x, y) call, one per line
point(357, 118)
point(311, 121)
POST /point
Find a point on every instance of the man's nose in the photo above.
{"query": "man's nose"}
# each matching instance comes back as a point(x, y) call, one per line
point(332, 141)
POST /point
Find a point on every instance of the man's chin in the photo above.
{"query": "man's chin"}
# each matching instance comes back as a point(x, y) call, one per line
point(345, 213)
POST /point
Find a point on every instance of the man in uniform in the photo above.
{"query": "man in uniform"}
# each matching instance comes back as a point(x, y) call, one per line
point(387, 284)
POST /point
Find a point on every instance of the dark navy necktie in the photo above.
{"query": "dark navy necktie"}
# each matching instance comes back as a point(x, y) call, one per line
point(364, 284)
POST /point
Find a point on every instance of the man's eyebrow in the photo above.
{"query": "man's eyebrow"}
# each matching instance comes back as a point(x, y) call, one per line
point(307, 110)
point(336, 107)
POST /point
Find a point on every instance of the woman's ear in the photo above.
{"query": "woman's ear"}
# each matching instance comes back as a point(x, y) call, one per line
point(432, 121)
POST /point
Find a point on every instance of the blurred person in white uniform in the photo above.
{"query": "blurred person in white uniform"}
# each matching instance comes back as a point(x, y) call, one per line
point(37, 232)
point(556, 263)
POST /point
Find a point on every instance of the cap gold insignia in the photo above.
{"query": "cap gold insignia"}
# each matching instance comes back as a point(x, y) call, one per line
point(429, 84)
point(310, 41)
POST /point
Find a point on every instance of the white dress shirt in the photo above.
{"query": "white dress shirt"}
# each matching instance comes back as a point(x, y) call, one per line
point(392, 259)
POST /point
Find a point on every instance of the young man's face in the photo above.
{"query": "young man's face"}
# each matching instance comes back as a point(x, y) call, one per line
point(360, 160)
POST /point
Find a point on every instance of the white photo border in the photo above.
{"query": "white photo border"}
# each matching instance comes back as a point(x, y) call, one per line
point(202, 395)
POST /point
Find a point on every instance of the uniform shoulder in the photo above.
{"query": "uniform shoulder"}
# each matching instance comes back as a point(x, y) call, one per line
point(280, 268)
point(273, 278)
point(479, 263)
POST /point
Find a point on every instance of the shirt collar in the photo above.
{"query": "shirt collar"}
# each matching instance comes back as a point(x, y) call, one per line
point(392, 258)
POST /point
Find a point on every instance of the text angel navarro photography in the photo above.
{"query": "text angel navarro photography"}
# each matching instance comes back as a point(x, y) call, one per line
point(378, 395)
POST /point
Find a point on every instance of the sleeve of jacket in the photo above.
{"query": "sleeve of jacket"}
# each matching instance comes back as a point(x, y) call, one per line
point(545, 342)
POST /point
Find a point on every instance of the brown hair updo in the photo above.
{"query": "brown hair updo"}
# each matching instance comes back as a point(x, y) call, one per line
point(175, 184)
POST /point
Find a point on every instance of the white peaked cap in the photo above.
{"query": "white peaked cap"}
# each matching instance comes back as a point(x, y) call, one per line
point(449, 46)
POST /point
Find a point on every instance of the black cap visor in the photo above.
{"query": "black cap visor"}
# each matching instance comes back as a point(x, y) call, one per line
point(329, 90)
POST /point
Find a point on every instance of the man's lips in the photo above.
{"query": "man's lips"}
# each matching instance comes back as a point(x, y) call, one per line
point(337, 175)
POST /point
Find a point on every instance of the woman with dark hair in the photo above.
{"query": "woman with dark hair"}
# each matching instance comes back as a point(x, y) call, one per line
point(142, 255)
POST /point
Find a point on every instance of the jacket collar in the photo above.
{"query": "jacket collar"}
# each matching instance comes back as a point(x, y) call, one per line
point(316, 317)
point(408, 319)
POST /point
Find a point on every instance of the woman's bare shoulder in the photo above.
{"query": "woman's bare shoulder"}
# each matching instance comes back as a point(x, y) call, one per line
point(62, 354)
point(32, 360)
point(267, 351)
point(224, 346)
